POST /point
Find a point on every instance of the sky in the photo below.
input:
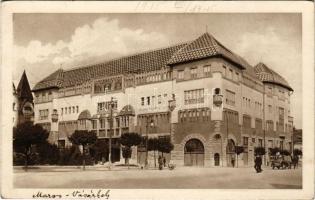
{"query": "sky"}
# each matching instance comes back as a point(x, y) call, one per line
point(46, 42)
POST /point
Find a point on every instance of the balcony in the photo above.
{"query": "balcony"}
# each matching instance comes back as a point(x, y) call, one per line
point(54, 116)
point(217, 99)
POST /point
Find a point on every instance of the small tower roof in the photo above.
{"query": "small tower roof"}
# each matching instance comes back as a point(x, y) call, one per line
point(24, 89)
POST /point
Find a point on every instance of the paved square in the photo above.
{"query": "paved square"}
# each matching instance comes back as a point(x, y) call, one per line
point(181, 177)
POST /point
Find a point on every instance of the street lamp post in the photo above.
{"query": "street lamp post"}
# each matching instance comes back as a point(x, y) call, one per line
point(110, 132)
point(225, 116)
point(151, 124)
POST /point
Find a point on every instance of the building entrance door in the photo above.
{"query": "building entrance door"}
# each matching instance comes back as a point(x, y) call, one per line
point(194, 153)
point(216, 159)
point(230, 153)
point(141, 155)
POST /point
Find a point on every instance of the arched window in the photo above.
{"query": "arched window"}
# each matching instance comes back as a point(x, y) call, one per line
point(194, 146)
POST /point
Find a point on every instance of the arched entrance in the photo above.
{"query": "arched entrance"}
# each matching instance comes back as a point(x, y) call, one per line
point(216, 159)
point(230, 153)
point(194, 153)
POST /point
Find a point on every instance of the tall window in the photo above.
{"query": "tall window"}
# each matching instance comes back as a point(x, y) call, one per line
point(281, 145)
point(270, 143)
point(281, 119)
point(231, 74)
point(193, 72)
point(142, 101)
point(180, 74)
point(77, 109)
point(94, 124)
point(258, 124)
point(260, 142)
point(230, 98)
point(153, 100)
point(246, 121)
point(194, 96)
point(44, 96)
point(245, 141)
point(37, 98)
point(43, 114)
point(237, 76)
point(244, 102)
point(49, 96)
point(148, 101)
point(159, 99)
point(207, 70)
point(270, 108)
point(117, 122)
point(269, 125)
point(224, 71)
point(102, 122)
point(281, 112)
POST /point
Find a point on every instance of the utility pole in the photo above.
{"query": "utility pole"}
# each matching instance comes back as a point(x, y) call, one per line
point(227, 133)
point(171, 107)
point(146, 142)
point(149, 123)
point(264, 126)
point(110, 133)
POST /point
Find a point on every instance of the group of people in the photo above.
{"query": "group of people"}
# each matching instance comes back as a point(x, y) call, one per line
point(285, 161)
point(162, 162)
point(295, 161)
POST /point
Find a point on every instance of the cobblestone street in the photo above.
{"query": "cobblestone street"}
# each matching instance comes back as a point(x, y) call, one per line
point(181, 177)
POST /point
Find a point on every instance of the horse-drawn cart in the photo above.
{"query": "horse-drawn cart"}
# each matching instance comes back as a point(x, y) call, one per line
point(282, 162)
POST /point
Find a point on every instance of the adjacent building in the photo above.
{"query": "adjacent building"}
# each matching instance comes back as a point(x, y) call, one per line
point(199, 94)
point(23, 106)
point(297, 139)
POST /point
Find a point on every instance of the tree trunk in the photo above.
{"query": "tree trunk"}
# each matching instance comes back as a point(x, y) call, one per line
point(26, 159)
point(154, 159)
point(236, 160)
point(127, 162)
point(83, 147)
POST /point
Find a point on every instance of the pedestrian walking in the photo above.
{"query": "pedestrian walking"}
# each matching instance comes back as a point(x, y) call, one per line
point(295, 161)
point(233, 161)
point(164, 161)
point(256, 163)
point(259, 163)
point(160, 161)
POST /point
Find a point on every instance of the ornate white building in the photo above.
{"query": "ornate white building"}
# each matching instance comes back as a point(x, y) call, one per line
point(204, 97)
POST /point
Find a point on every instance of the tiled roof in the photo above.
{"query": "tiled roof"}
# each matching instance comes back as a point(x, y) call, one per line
point(139, 63)
point(266, 74)
point(204, 46)
point(53, 80)
point(24, 90)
